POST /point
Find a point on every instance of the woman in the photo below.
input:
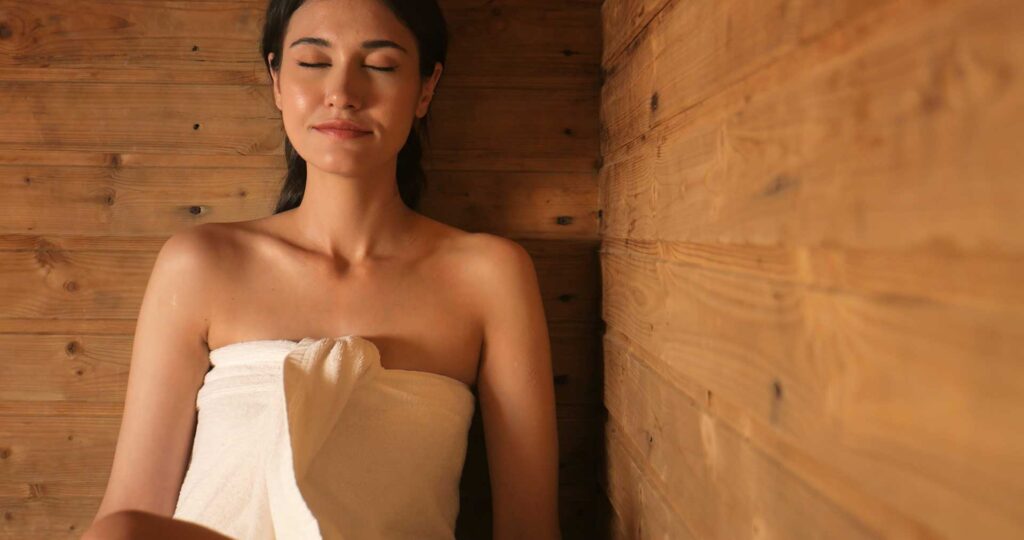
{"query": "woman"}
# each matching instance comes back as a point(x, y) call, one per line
point(371, 321)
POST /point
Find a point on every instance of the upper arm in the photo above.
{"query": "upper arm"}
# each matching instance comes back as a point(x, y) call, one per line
point(168, 363)
point(517, 396)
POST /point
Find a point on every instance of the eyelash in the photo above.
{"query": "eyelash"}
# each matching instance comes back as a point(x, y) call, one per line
point(304, 64)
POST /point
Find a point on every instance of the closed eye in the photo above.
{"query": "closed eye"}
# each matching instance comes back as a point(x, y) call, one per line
point(378, 68)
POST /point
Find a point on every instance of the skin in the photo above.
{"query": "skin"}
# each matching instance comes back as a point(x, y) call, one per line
point(351, 259)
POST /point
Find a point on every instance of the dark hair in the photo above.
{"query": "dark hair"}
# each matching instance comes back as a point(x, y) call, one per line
point(427, 23)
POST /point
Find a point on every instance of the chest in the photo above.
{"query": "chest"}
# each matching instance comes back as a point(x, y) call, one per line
point(420, 317)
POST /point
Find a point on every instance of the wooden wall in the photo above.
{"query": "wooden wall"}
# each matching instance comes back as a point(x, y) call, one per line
point(813, 268)
point(124, 122)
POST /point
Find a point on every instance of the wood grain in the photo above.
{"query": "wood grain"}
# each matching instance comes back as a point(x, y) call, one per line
point(812, 249)
point(512, 43)
point(843, 152)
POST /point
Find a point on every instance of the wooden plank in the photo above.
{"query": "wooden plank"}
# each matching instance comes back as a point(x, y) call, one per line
point(624, 24)
point(65, 455)
point(42, 516)
point(33, 408)
point(929, 273)
point(29, 326)
point(119, 159)
point(112, 117)
point(158, 201)
point(54, 200)
point(693, 50)
point(540, 160)
point(516, 121)
point(898, 132)
point(543, 45)
point(641, 511)
point(63, 368)
point(51, 284)
point(916, 400)
point(538, 205)
point(533, 44)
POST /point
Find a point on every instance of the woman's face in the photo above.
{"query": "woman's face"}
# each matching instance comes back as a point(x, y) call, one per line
point(377, 87)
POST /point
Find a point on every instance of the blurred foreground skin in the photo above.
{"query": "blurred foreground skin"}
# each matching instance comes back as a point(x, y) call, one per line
point(136, 524)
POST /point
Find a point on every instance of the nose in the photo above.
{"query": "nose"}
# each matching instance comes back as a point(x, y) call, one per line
point(346, 85)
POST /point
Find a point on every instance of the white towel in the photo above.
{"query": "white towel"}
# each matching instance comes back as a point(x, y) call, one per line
point(316, 439)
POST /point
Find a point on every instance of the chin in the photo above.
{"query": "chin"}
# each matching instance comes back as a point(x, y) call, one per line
point(341, 164)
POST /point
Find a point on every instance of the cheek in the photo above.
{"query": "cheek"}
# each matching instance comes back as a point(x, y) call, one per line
point(297, 98)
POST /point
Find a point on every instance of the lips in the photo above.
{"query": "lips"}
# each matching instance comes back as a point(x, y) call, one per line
point(341, 125)
point(343, 133)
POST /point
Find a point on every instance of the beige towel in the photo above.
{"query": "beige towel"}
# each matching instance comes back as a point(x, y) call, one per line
point(316, 439)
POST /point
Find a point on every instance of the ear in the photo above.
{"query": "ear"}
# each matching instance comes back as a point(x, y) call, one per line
point(428, 91)
point(277, 82)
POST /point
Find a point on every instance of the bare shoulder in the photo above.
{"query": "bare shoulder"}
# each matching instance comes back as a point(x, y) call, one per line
point(189, 268)
point(212, 238)
point(498, 271)
point(497, 259)
point(483, 257)
point(200, 250)
point(192, 246)
point(491, 245)
point(185, 259)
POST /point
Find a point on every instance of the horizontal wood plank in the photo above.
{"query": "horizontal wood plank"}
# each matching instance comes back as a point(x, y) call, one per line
point(130, 201)
point(931, 273)
point(525, 44)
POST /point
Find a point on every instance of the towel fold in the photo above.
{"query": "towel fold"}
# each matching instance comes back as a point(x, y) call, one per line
point(316, 439)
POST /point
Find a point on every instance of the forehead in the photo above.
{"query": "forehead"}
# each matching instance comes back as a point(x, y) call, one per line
point(347, 23)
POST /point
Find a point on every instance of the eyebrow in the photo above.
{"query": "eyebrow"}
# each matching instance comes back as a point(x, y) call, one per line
point(371, 44)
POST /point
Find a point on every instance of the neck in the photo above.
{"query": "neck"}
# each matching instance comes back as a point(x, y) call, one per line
point(354, 218)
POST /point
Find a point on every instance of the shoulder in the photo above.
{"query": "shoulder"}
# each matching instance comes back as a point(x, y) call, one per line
point(501, 273)
point(482, 254)
point(192, 274)
point(205, 245)
point(195, 248)
point(492, 260)
point(192, 260)
point(493, 246)
point(501, 258)
point(487, 270)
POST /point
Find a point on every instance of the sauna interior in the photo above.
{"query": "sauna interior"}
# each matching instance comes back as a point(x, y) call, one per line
point(780, 245)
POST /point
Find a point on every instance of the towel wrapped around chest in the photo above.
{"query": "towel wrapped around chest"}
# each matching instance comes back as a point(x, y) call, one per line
point(316, 439)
